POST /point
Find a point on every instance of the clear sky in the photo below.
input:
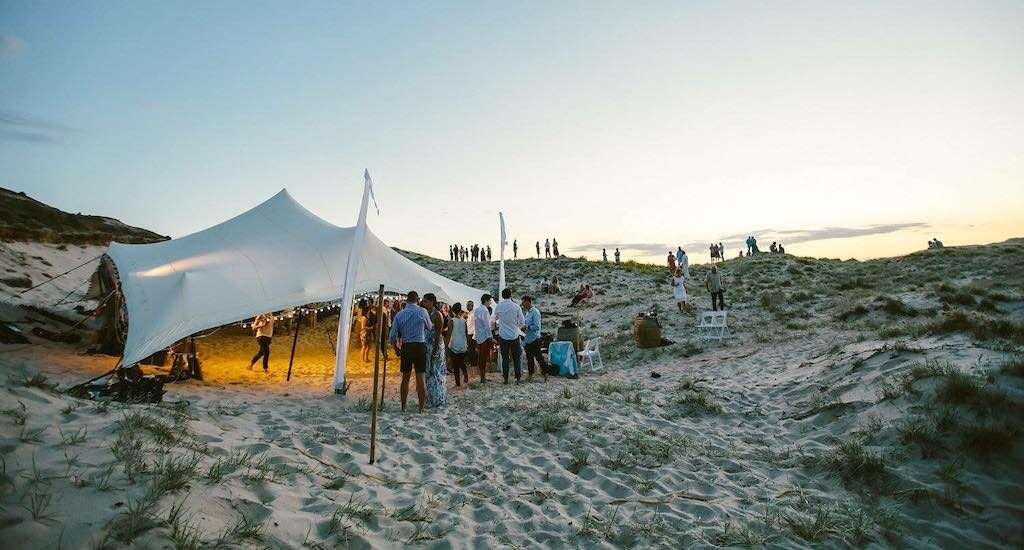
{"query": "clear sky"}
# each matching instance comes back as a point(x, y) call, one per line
point(854, 129)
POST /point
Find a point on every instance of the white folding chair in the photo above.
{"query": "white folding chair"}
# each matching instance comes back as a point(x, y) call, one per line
point(713, 325)
point(591, 349)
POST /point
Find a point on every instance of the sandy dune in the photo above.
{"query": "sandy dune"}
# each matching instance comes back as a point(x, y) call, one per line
point(813, 426)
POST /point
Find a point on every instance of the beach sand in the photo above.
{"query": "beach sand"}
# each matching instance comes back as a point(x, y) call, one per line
point(812, 426)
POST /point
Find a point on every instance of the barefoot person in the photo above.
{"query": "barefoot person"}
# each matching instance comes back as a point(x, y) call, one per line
point(510, 319)
point(678, 290)
point(437, 366)
point(410, 328)
point(263, 325)
point(482, 325)
point(532, 340)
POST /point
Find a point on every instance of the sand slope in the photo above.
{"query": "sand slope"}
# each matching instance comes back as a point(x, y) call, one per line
point(834, 417)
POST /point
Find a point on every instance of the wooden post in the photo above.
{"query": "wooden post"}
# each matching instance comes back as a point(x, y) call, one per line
point(295, 341)
point(376, 367)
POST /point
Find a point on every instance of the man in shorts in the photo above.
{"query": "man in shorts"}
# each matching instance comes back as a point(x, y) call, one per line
point(410, 328)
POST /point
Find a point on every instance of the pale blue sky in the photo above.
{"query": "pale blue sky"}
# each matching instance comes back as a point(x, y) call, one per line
point(650, 123)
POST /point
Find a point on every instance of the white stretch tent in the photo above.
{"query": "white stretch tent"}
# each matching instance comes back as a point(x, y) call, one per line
point(275, 256)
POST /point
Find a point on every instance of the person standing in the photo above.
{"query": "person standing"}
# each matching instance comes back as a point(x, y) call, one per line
point(482, 326)
point(470, 331)
point(369, 334)
point(683, 262)
point(437, 365)
point(721, 252)
point(713, 253)
point(547, 248)
point(554, 247)
point(510, 319)
point(411, 326)
point(671, 262)
point(532, 340)
point(488, 253)
point(263, 326)
point(604, 255)
point(678, 289)
point(515, 249)
point(538, 250)
point(458, 344)
point(617, 255)
point(679, 255)
point(713, 282)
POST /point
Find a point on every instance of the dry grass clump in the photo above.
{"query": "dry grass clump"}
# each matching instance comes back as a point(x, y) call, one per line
point(852, 462)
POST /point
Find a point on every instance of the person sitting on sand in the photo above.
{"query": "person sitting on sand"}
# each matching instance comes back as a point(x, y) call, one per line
point(554, 288)
point(678, 290)
point(545, 285)
point(773, 248)
point(671, 262)
point(713, 283)
point(409, 337)
point(584, 294)
point(263, 325)
point(782, 250)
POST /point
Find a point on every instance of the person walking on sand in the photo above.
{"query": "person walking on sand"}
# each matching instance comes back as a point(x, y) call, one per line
point(437, 365)
point(458, 344)
point(671, 262)
point(483, 324)
point(714, 253)
point(679, 255)
point(617, 255)
point(678, 290)
point(713, 282)
point(510, 319)
point(721, 252)
point(515, 249)
point(263, 326)
point(409, 337)
point(547, 248)
point(532, 340)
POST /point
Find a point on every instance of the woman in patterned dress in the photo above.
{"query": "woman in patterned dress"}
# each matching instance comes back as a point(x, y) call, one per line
point(437, 367)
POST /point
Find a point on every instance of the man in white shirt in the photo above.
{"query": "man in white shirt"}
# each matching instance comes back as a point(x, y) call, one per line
point(510, 319)
point(482, 326)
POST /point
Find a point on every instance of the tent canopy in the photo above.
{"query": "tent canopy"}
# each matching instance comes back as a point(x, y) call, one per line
point(275, 256)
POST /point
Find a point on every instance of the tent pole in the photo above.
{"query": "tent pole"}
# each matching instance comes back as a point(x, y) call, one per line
point(295, 340)
point(376, 366)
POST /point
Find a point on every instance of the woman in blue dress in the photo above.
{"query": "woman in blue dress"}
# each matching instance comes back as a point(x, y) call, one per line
point(437, 367)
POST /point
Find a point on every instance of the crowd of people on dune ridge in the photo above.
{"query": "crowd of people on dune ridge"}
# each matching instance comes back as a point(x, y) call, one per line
point(478, 253)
